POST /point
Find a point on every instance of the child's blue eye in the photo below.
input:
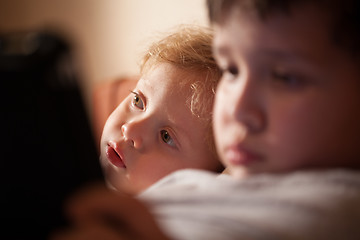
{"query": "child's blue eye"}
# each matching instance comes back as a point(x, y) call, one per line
point(165, 136)
point(137, 101)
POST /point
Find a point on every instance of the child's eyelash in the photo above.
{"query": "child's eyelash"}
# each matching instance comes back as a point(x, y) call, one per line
point(138, 101)
point(233, 70)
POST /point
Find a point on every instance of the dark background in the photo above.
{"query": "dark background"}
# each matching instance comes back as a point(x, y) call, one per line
point(47, 150)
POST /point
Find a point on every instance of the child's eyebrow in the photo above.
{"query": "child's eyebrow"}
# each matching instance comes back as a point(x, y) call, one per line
point(287, 55)
point(223, 50)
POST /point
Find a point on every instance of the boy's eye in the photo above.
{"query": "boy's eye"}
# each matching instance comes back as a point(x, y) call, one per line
point(165, 136)
point(137, 101)
point(286, 79)
point(232, 70)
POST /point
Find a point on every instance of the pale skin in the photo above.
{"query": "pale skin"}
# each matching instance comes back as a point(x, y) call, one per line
point(286, 101)
point(154, 132)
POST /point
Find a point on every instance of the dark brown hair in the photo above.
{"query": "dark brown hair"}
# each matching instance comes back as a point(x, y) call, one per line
point(344, 14)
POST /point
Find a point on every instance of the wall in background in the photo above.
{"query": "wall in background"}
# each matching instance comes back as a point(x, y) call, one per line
point(109, 35)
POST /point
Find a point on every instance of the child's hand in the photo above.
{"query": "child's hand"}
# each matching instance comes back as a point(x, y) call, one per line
point(98, 213)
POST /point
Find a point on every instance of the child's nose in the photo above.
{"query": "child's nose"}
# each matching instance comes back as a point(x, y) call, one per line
point(247, 106)
point(134, 133)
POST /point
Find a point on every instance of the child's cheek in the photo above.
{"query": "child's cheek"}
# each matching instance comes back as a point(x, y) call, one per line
point(292, 132)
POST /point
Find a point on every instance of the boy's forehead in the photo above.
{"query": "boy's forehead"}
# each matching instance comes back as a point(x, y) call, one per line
point(314, 9)
point(306, 26)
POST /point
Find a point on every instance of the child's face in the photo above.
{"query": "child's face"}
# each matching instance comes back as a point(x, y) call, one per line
point(289, 98)
point(153, 132)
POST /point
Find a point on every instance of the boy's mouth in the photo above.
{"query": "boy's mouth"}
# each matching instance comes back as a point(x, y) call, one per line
point(240, 156)
point(114, 157)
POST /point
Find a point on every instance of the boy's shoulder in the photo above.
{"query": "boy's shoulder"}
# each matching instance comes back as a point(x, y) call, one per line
point(195, 180)
point(311, 204)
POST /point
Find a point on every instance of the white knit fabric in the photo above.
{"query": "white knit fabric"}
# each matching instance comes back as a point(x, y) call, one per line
point(193, 204)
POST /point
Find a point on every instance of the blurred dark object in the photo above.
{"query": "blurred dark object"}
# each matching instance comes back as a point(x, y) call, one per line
point(47, 147)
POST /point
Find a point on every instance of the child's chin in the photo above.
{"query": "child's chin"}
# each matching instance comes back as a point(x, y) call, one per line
point(238, 172)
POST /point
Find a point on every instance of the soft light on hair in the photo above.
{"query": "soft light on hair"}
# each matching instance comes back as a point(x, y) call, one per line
point(189, 48)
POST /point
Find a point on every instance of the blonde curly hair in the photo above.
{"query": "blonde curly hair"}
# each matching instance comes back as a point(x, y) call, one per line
point(189, 47)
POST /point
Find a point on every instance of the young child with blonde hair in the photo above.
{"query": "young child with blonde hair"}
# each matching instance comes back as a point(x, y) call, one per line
point(164, 124)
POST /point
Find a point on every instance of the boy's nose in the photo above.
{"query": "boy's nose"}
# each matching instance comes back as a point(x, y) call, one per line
point(134, 134)
point(247, 106)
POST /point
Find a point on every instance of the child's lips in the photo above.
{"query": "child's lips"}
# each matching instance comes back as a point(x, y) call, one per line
point(238, 155)
point(114, 156)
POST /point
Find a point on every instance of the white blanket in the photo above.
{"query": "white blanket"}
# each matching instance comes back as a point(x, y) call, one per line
point(192, 204)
